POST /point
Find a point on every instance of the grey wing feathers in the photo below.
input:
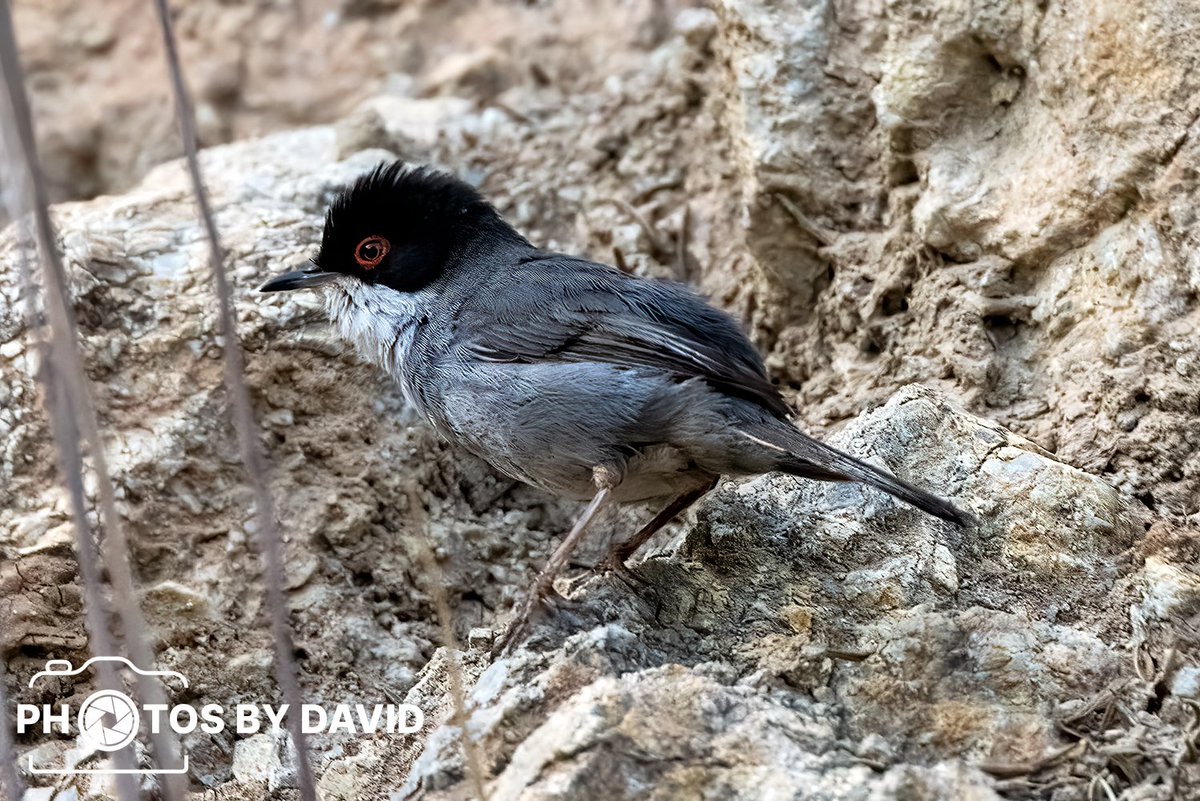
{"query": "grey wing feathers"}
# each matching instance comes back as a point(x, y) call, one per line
point(556, 308)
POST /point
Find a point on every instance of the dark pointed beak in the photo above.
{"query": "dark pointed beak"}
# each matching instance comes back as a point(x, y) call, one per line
point(297, 279)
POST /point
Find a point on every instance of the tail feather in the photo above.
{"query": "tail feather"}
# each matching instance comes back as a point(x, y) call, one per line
point(803, 456)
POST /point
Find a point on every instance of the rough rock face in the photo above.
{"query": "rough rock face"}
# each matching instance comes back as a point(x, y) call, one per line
point(805, 631)
point(103, 106)
point(346, 463)
point(1026, 237)
point(961, 218)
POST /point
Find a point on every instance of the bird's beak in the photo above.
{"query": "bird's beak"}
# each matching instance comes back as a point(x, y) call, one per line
point(297, 279)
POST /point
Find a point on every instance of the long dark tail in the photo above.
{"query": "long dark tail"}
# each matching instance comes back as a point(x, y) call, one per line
point(804, 456)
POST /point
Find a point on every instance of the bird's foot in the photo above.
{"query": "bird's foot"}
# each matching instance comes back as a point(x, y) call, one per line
point(542, 604)
point(614, 564)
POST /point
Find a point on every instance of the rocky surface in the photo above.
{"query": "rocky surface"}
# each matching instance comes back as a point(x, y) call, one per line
point(102, 100)
point(966, 229)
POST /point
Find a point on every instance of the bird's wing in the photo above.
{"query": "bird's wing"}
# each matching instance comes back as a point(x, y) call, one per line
point(559, 309)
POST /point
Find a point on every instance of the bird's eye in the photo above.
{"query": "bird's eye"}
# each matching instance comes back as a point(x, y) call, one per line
point(371, 251)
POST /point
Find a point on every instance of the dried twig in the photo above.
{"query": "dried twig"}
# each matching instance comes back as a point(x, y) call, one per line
point(269, 541)
point(683, 267)
point(673, 182)
point(660, 249)
point(619, 260)
point(11, 787)
point(1099, 781)
point(60, 370)
point(10, 782)
point(515, 114)
point(825, 237)
point(849, 656)
point(441, 605)
point(114, 547)
point(1008, 770)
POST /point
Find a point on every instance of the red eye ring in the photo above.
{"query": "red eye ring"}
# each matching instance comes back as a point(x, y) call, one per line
point(370, 252)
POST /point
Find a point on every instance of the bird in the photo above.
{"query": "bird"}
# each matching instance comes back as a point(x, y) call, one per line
point(567, 374)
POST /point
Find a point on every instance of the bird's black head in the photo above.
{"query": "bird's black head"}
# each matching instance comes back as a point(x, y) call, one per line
point(400, 227)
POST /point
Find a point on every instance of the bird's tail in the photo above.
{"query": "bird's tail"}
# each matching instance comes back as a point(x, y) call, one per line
point(804, 456)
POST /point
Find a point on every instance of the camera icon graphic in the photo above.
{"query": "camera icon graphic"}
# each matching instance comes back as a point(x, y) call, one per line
point(107, 720)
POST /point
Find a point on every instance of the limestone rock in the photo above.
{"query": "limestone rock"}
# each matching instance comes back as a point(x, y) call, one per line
point(791, 604)
point(915, 214)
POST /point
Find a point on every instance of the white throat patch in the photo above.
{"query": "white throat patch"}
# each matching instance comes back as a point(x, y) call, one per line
point(380, 321)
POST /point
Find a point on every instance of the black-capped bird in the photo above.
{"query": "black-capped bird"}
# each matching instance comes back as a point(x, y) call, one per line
point(566, 374)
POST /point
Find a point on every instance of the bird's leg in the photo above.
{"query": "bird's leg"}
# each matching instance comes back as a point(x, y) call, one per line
point(620, 552)
point(606, 479)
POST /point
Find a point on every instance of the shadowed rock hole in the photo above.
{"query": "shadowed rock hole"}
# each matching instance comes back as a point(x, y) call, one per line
point(893, 303)
point(1002, 327)
point(903, 173)
point(1154, 704)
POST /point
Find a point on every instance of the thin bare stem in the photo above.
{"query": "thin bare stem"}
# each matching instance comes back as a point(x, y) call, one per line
point(64, 361)
point(60, 367)
point(825, 237)
point(441, 604)
point(11, 788)
point(269, 541)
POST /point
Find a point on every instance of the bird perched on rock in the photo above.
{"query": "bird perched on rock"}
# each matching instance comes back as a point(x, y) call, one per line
point(563, 373)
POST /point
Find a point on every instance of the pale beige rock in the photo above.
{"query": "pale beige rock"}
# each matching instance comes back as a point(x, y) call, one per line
point(256, 758)
point(792, 638)
point(798, 139)
point(711, 685)
point(1003, 215)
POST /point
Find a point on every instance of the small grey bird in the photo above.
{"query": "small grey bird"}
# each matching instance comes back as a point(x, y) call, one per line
point(563, 373)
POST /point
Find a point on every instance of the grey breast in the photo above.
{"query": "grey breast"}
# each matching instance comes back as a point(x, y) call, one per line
point(516, 368)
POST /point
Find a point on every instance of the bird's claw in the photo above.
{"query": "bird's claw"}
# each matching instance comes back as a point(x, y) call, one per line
point(614, 564)
point(543, 603)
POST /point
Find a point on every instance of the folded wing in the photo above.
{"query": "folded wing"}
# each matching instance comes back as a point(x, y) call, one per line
point(555, 308)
